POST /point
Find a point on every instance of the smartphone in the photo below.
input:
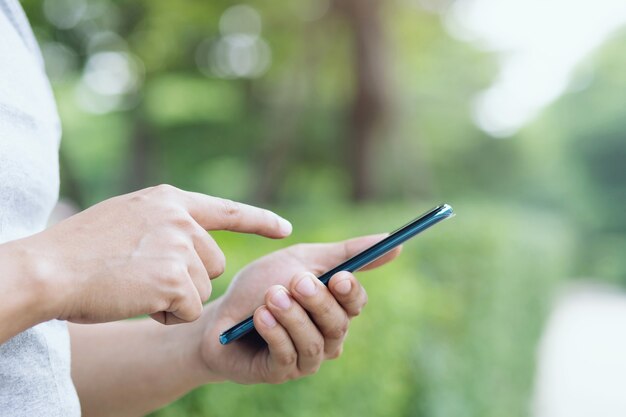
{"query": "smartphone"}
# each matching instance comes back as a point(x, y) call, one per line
point(357, 262)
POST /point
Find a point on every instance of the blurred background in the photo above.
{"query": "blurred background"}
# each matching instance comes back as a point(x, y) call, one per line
point(351, 117)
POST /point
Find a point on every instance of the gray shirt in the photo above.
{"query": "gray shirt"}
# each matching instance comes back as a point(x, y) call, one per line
point(35, 375)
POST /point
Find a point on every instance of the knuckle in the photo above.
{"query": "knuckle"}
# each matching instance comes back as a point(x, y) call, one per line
point(302, 319)
point(172, 273)
point(314, 349)
point(338, 332)
point(179, 269)
point(163, 189)
point(180, 219)
point(230, 209)
point(325, 308)
point(139, 197)
point(178, 294)
point(287, 359)
point(198, 234)
point(168, 279)
point(181, 244)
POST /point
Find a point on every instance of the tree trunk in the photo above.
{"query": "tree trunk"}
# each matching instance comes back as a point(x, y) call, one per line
point(141, 154)
point(370, 103)
point(281, 146)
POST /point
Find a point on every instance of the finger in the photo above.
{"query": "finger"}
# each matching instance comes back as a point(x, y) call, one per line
point(305, 336)
point(213, 213)
point(328, 255)
point(385, 259)
point(167, 318)
point(283, 358)
point(329, 316)
point(209, 252)
point(200, 277)
point(189, 309)
point(354, 246)
point(186, 306)
point(349, 292)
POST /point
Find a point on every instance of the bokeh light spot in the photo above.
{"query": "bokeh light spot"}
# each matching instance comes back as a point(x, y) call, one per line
point(64, 14)
point(240, 19)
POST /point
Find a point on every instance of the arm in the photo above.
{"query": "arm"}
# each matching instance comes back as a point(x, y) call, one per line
point(131, 368)
point(22, 292)
point(142, 253)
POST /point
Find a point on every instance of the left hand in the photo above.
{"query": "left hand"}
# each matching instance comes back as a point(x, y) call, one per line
point(302, 321)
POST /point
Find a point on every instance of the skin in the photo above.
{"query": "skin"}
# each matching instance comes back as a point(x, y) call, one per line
point(128, 383)
point(148, 253)
point(141, 253)
point(307, 332)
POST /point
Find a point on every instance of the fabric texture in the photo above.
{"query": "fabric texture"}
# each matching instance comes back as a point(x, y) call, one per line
point(35, 375)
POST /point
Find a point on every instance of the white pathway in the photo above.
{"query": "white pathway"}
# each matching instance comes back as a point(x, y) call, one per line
point(582, 356)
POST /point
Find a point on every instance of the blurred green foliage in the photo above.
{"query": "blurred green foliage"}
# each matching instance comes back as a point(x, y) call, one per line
point(452, 326)
point(577, 149)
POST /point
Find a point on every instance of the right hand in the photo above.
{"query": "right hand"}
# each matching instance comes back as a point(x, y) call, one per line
point(147, 252)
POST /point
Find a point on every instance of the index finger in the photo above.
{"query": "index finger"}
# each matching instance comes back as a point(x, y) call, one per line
point(214, 213)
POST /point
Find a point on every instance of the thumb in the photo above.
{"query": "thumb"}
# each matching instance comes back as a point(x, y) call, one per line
point(328, 255)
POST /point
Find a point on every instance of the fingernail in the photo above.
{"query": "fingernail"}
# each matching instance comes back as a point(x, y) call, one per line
point(343, 287)
point(306, 286)
point(267, 318)
point(281, 300)
point(285, 226)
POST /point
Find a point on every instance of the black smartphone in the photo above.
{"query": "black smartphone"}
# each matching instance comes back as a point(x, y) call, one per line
point(357, 262)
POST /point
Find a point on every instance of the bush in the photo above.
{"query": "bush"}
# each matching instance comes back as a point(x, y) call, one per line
point(450, 328)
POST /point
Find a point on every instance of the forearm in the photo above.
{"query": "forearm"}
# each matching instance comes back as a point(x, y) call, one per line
point(22, 293)
point(130, 368)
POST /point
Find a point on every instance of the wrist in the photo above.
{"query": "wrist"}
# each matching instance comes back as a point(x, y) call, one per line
point(27, 300)
point(195, 338)
point(210, 348)
point(179, 349)
point(46, 275)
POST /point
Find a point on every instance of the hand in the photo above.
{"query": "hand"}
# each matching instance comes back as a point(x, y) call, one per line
point(302, 322)
point(147, 252)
